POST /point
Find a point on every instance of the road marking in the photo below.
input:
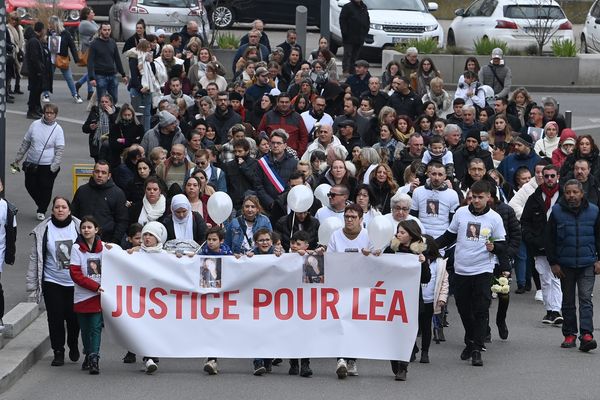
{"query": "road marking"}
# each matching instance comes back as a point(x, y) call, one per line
point(64, 119)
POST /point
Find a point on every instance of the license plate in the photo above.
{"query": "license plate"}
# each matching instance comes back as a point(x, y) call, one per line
point(399, 40)
point(536, 30)
point(168, 29)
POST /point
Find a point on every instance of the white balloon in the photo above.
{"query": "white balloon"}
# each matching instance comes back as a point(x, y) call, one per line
point(327, 228)
point(300, 198)
point(381, 231)
point(219, 207)
point(321, 193)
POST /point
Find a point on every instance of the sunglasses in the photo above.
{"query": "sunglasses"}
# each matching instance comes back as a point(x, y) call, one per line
point(331, 194)
point(550, 176)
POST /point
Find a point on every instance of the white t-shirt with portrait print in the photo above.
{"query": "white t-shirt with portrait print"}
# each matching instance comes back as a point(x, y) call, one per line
point(434, 207)
point(472, 232)
point(91, 267)
point(59, 242)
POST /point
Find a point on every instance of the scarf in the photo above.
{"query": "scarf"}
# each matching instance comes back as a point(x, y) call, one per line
point(184, 227)
point(366, 114)
point(152, 212)
point(61, 224)
point(103, 126)
point(549, 192)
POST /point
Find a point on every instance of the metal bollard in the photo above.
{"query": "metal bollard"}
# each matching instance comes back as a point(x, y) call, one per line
point(301, 17)
point(325, 27)
point(568, 118)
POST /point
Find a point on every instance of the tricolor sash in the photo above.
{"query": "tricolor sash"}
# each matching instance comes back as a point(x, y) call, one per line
point(271, 174)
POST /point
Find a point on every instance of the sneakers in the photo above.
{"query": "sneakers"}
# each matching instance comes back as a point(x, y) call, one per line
point(211, 367)
point(520, 290)
point(502, 330)
point(424, 357)
point(466, 353)
point(94, 363)
point(548, 318)
point(539, 296)
point(40, 217)
point(86, 363)
point(259, 368)
point(129, 358)
point(352, 368)
point(569, 342)
point(294, 367)
point(45, 98)
point(400, 375)
point(151, 366)
point(557, 319)
point(77, 87)
point(77, 99)
point(587, 342)
point(342, 369)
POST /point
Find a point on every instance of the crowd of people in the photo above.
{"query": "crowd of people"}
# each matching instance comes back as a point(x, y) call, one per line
point(483, 185)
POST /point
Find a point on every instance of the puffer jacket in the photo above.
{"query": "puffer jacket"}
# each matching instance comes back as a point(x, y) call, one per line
point(35, 271)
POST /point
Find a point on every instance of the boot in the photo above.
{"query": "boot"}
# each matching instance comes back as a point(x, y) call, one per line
point(441, 334)
point(94, 359)
point(59, 359)
point(400, 375)
point(294, 368)
point(436, 335)
point(305, 370)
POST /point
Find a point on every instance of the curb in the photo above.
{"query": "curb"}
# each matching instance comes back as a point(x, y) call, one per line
point(22, 352)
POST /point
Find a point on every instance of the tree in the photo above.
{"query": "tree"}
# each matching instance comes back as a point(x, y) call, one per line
point(541, 17)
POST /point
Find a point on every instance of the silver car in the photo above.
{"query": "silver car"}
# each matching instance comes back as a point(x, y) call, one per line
point(169, 15)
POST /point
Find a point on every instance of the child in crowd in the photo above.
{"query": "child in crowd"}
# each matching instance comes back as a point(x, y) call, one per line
point(437, 151)
point(134, 236)
point(86, 272)
point(214, 246)
point(299, 243)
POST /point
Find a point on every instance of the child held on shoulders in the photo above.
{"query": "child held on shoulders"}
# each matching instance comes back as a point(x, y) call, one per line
point(437, 151)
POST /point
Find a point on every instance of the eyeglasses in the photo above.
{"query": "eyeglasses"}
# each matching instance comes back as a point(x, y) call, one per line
point(331, 194)
point(276, 143)
point(350, 217)
point(405, 209)
point(549, 175)
point(263, 240)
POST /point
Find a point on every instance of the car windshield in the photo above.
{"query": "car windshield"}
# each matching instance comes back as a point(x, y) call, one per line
point(407, 5)
point(533, 12)
point(169, 3)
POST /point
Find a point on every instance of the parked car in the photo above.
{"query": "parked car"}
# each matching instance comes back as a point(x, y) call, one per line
point(223, 13)
point(27, 10)
point(517, 22)
point(169, 15)
point(590, 35)
point(392, 22)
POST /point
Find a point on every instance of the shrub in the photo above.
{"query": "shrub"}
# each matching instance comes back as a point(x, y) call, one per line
point(455, 50)
point(515, 52)
point(424, 46)
point(532, 50)
point(563, 48)
point(484, 46)
point(227, 41)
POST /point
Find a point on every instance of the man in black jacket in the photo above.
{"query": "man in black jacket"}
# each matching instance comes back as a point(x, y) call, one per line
point(409, 154)
point(533, 221)
point(241, 173)
point(38, 66)
point(468, 151)
point(354, 24)
point(105, 201)
point(223, 118)
point(404, 100)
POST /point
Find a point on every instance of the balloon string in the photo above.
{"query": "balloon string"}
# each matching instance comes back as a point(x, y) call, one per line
point(293, 221)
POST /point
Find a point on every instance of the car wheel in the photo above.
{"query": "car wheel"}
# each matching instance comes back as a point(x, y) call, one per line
point(222, 17)
point(583, 48)
point(451, 40)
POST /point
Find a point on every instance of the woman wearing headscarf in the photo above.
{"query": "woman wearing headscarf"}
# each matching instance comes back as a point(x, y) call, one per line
point(183, 223)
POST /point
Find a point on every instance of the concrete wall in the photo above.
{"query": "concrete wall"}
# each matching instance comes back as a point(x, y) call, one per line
point(526, 70)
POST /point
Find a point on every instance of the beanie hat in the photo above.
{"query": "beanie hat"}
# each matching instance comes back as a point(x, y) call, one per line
point(165, 118)
point(157, 230)
point(525, 139)
point(568, 134)
point(550, 123)
point(474, 135)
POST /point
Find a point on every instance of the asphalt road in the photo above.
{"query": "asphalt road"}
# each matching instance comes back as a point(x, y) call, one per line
point(529, 365)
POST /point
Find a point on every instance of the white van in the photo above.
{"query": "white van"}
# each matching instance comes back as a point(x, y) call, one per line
point(392, 22)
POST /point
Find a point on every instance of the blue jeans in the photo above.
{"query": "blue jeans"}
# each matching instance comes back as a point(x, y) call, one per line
point(582, 281)
point(83, 80)
point(521, 265)
point(107, 83)
point(68, 78)
point(142, 103)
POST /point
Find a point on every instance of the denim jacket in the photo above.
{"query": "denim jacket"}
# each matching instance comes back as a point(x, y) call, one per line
point(234, 237)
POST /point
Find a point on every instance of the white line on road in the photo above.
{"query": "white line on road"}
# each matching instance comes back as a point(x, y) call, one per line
point(71, 120)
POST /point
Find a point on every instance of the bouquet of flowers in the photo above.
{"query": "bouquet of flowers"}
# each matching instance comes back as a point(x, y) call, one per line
point(500, 285)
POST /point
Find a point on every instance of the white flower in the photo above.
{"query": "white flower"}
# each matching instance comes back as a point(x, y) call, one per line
point(485, 232)
point(505, 289)
point(502, 281)
point(496, 288)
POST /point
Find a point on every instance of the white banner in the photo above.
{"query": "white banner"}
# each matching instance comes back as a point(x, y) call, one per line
point(336, 305)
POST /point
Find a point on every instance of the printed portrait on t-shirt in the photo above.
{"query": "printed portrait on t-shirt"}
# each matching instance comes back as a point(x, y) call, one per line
point(313, 269)
point(210, 273)
point(433, 207)
point(63, 253)
point(473, 229)
point(94, 267)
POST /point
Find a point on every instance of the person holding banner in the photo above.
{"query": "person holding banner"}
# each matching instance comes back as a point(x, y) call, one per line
point(241, 230)
point(408, 239)
point(183, 223)
point(352, 238)
point(474, 262)
point(86, 272)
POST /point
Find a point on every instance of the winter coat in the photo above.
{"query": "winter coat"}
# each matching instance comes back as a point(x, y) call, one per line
point(284, 168)
point(199, 227)
point(501, 84)
point(512, 162)
point(559, 156)
point(406, 104)
point(354, 22)
point(223, 123)
point(94, 117)
point(240, 179)
point(567, 169)
point(512, 238)
point(38, 63)
point(462, 157)
point(35, 271)
point(292, 123)
point(151, 139)
point(572, 238)
point(285, 230)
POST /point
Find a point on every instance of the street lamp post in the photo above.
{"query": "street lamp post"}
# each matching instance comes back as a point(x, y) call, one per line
point(3, 90)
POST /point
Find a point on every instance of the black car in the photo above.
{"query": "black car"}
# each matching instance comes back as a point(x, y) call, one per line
point(223, 13)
